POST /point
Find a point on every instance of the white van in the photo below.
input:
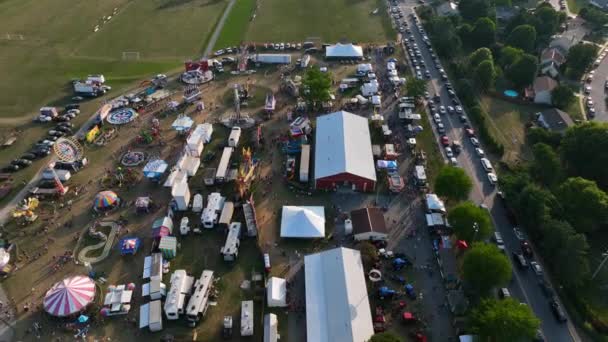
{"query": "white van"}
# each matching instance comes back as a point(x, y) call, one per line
point(485, 163)
point(197, 203)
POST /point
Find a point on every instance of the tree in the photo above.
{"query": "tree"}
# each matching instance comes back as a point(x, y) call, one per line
point(484, 32)
point(472, 9)
point(504, 320)
point(512, 184)
point(453, 183)
point(478, 56)
point(466, 92)
point(386, 336)
point(445, 40)
point(316, 86)
point(585, 205)
point(593, 16)
point(562, 96)
point(415, 87)
point(546, 159)
point(547, 20)
point(538, 134)
point(534, 207)
point(369, 255)
point(523, 71)
point(568, 252)
point(585, 152)
point(509, 55)
point(579, 58)
point(523, 37)
point(485, 74)
point(484, 267)
point(464, 32)
point(466, 218)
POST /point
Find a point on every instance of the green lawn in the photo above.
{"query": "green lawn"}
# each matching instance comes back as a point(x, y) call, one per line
point(294, 20)
point(575, 111)
point(59, 44)
point(236, 24)
point(427, 142)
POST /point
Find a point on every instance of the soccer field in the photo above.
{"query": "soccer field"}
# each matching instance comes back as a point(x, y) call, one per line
point(294, 20)
point(46, 43)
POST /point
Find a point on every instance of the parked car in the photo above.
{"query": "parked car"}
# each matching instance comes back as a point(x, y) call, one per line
point(474, 141)
point(11, 168)
point(22, 162)
point(29, 156)
point(503, 293)
point(526, 248)
point(445, 141)
point(448, 152)
point(492, 178)
point(520, 260)
point(519, 234)
point(538, 270)
point(557, 310)
point(480, 152)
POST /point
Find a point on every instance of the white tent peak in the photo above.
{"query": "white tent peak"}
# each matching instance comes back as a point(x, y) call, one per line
point(303, 222)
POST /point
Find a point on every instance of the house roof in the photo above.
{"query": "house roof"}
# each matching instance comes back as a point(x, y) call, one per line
point(343, 145)
point(556, 120)
point(303, 222)
point(344, 50)
point(554, 55)
point(367, 220)
point(337, 303)
point(544, 83)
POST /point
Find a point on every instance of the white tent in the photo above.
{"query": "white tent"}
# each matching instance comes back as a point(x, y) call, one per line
point(344, 51)
point(337, 303)
point(433, 203)
point(303, 222)
point(176, 176)
point(276, 292)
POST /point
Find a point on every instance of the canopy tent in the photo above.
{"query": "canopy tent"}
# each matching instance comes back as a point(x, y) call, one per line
point(155, 168)
point(69, 296)
point(168, 246)
point(129, 245)
point(276, 292)
point(303, 222)
point(106, 200)
point(162, 226)
point(433, 203)
point(344, 51)
point(182, 123)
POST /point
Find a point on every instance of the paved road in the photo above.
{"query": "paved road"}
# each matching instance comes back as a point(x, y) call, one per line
point(598, 92)
point(218, 29)
point(524, 285)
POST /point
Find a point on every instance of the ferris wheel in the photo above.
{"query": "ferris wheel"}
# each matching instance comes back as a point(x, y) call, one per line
point(68, 150)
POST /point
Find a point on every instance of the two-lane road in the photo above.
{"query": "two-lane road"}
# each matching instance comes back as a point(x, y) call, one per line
point(524, 285)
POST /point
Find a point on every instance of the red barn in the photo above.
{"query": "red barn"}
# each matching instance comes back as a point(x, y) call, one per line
point(343, 153)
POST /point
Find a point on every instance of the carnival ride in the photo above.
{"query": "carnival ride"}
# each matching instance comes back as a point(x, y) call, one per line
point(241, 93)
point(245, 173)
point(25, 210)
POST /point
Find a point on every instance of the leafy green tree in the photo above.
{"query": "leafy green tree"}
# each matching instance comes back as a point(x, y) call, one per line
point(547, 20)
point(504, 320)
point(585, 205)
point(484, 32)
point(523, 37)
point(541, 135)
point(534, 207)
point(509, 55)
point(568, 252)
point(470, 222)
point(453, 183)
point(446, 41)
point(472, 9)
point(596, 18)
point(478, 56)
point(415, 87)
point(466, 91)
point(512, 184)
point(579, 58)
point(562, 96)
point(464, 32)
point(546, 167)
point(386, 336)
point(585, 152)
point(523, 71)
point(485, 74)
point(316, 86)
point(484, 267)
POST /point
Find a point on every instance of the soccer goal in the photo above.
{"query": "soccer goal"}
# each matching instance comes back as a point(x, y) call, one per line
point(130, 55)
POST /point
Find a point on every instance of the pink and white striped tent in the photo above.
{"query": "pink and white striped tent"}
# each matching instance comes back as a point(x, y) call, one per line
point(69, 296)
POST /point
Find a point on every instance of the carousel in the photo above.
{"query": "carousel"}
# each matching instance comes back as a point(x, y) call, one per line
point(69, 296)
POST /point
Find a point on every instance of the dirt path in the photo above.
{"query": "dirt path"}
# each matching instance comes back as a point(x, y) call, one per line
point(218, 29)
point(108, 243)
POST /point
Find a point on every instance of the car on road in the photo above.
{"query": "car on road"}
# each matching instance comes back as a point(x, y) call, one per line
point(458, 109)
point(451, 110)
point(519, 234)
point(448, 152)
point(40, 151)
point(22, 162)
point(468, 130)
point(520, 260)
point(462, 118)
point(538, 270)
point(503, 293)
point(453, 161)
point(498, 238)
point(219, 52)
point(588, 89)
point(492, 178)
point(480, 152)
point(29, 156)
point(77, 98)
point(485, 163)
point(437, 118)
point(526, 248)
point(474, 141)
point(557, 310)
point(445, 141)
point(440, 128)
point(442, 110)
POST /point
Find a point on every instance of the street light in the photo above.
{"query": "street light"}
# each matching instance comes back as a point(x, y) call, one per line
point(605, 255)
point(475, 229)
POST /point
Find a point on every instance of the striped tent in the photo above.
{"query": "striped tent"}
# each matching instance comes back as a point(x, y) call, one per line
point(69, 296)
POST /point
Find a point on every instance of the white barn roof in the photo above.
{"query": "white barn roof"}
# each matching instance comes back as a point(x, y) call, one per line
point(344, 50)
point(337, 306)
point(276, 292)
point(303, 222)
point(343, 145)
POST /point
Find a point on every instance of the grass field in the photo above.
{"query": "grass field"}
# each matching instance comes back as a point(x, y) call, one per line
point(293, 20)
point(59, 44)
point(576, 5)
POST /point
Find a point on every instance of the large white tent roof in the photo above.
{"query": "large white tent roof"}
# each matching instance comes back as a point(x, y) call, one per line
point(343, 145)
point(344, 50)
point(303, 222)
point(337, 306)
point(276, 292)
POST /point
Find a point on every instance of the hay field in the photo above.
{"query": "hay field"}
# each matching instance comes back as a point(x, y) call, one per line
point(59, 44)
point(296, 20)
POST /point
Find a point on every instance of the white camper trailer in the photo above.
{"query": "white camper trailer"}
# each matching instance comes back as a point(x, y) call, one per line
point(235, 136)
point(271, 328)
point(150, 316)
point(222, 170)
point(247, 318)
point(230, 251)
point(198, 303)
point(226, 215)
point(181, 195)
point(215, 204)
point(155, 289)
point(181, 284)
point(304, 163)
point(197, 203)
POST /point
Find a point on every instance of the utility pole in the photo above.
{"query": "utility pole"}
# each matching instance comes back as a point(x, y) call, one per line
point(599, 268)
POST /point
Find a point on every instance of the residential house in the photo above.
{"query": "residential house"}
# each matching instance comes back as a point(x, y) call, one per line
point(554, 119)
point(541, 89)
point(550, 61)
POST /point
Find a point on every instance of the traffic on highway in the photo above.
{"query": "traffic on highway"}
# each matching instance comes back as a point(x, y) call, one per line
point(462, 148)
